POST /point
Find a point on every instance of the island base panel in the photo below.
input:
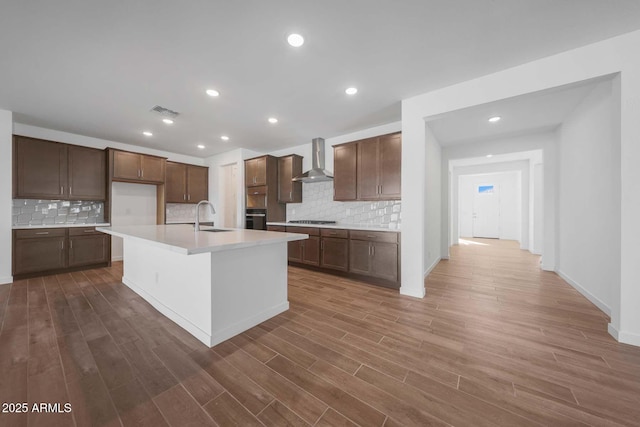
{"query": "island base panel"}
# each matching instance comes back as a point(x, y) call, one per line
point(214, 296)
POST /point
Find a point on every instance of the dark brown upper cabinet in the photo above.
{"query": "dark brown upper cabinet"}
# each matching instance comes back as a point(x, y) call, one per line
point(52, 170)
point(344, 172)
point(289, 167)
point(368, 169)
point(135, 167)
point(255, 171)
point(186, 183)
point(379, 168)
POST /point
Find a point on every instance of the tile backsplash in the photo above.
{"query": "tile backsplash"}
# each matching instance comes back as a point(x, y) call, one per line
point(181, 212)
point(49, 212)
point(318, 203)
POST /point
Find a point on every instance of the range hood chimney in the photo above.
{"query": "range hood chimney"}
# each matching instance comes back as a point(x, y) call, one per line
point(317, 173)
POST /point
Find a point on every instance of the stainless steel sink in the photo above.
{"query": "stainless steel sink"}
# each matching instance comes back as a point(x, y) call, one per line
point(214, 230)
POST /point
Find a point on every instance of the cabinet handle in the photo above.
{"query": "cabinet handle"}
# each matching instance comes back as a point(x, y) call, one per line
point(89, 231)
point(373, 250)
point(184, 197)
point(42, 232)
point(61, 189)
point(70, 190)
point(369, 250)
point(290, 195)
point(70, 244)
point(370, 236)
point(141, 173)
point(62, 244)
point(188, 196)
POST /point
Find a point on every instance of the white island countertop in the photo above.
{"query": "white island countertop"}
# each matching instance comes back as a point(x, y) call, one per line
point(182, 238)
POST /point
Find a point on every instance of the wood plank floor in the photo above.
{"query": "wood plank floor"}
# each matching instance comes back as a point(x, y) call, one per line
point(496, 342)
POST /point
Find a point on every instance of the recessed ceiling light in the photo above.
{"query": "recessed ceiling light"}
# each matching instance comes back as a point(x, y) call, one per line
point(495, 119)
point(295, 40)
point(351, 90)
point(147, 133)
point(212, 92)
point(168, 121)
point(224, 138)
point(272, 120)
point(489, 155)
point(200, 146)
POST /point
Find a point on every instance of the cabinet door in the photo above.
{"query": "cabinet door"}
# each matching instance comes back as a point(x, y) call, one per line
point(311, 250)
point(334, 253)
point(39, 254)
point(87, 173)
point(285, 185)
point(260, 171)
point(126, 165)
point(87, 250)
point(359, 257)
point(344, 172)
point(40, 169)
point(368, 169)
point(152, 169)
point(390, 147)
point(176, 183)
point(295, 251)
point(384, 260)
point(197, 183)
point(249, 172)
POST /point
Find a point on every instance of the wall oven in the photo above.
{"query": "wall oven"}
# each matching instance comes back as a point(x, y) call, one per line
point(256, 219)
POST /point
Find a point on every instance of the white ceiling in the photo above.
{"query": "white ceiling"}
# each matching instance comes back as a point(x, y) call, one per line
point(96, 67)
point(521, 115)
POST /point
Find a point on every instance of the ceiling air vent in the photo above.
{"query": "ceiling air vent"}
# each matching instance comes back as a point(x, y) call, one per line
point(164, 111)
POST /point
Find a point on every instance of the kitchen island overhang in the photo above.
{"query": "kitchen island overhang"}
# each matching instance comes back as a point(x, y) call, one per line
point(215, 285)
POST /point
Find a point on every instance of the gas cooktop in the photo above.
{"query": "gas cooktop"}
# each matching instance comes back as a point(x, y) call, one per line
point(311, 221)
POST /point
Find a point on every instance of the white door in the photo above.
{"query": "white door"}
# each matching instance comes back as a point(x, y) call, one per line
point(486, 211)
point(229, 196)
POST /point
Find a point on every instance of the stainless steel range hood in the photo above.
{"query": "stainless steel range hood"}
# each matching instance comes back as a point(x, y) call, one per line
point(317, 173)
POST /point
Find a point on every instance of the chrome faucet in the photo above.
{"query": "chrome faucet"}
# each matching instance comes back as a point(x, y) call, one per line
point(202, 202)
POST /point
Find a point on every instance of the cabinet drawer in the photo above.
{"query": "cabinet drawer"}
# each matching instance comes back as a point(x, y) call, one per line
point(331, 232)
point(83, 231)
point(40, 233)
point(281, 228)
point(311, 231)
point(374, 236)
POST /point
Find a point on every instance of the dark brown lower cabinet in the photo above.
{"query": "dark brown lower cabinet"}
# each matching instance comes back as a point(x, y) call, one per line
point(372, 256)
point(334, 253)
point(91, 247)
point(39, 250)
point(53, 250)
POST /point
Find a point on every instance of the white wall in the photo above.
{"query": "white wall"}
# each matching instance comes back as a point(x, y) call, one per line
point(432, 201)
point(606, 58)
point(536, 209)
point(509, 186)
point(131, 204)
point(589, 199)
point(6, 178)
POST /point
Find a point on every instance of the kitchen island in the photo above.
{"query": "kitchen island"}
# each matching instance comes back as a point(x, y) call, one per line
point(214, 284)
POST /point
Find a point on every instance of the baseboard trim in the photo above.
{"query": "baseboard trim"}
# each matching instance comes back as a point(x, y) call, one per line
point(235, 329)
point(7, 280)
point(623, 336)
point(412, 292)
point(588, 295)
point(432, 266)
point(116, 258)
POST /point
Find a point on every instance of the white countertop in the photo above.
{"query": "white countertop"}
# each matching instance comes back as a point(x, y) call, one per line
point(27, 227)
point(340, 226)
point(183, 239)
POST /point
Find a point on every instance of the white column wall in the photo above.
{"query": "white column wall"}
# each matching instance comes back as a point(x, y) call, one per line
point(6, 178)
point(609, 57)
